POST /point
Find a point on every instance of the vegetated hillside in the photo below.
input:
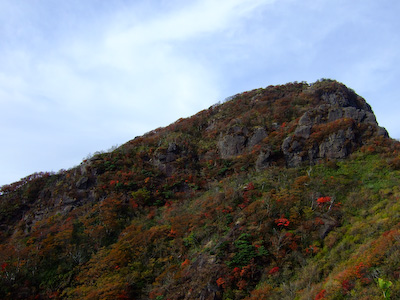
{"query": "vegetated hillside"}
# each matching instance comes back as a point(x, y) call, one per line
point(287, 192)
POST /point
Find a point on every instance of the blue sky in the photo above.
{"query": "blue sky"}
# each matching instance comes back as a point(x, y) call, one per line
point(79, 76)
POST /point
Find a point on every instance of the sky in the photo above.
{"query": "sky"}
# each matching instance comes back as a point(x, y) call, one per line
point(78, 77)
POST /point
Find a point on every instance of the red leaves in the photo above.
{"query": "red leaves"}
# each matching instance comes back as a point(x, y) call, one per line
point(361, 270)
point(168, 203)
point(185, 263)
point(250, 186)
point(240, 277)
point(133, 203)
point(123, 295)
point(236, 272)
point(249, 193)
point(347, 286)
point(241, 284)
point(293, 246)
point(323, 200)
point(221, 282)
point(4, 266)
point(227, 210)
point(243, 205)
point(320, 295)
point(312, 249)
point(274, 270)
point(172, 233)
point(282, 221)
point(113, 182)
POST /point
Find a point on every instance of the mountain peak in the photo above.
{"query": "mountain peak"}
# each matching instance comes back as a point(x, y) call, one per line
point(244, 200)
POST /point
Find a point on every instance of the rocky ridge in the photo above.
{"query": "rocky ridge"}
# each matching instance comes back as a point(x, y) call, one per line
point(337, 122)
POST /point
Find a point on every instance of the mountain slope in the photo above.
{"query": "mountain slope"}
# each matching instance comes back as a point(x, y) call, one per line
point(287, 192)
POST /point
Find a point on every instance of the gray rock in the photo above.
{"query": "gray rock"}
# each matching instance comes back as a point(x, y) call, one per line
point(231, 145)
point(370, 118)
point(303, 131)
point(358, 115)
point(336, 99)
point(263, 160)
point(335, 106)
point(257, 137)
point(292, 148)
point(382, 131)
point(337, 145)
point(67, 200)
point(305, 119)
point(335, 114)
point(82, 183)
point(173, 148)
point(328, 226)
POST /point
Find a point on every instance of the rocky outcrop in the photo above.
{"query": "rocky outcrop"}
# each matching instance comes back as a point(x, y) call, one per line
point(231, 145)
point(264, 159)
point(257, 137)
point(331, 130)
point(164, 157)
point(239, 140)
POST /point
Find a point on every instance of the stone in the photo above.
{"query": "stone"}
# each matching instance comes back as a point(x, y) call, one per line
point(231, 145)
point(335, 114)
point(263, 160)
point(173, 148)
point(82, 183)
point(303, 131)
point(305, 119)
point(300, 146)
point(335, 99)
point(337, 145)
point(328, 226)
point(257, 137)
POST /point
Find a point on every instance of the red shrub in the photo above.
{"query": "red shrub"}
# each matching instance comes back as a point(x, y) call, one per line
point(273, 270)
point(320, 295)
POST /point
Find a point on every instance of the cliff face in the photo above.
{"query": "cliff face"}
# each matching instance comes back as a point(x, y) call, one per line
point(204, 208)
point(330, 129)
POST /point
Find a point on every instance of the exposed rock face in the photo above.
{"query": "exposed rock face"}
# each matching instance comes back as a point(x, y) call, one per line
point(241, 140)
point(257, 137)
point(164, 159)
point(231, 145)
point(330, 130)
point(82, 183)
point(264, 160)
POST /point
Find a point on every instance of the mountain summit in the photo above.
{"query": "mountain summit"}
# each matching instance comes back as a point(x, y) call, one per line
point(284, 192)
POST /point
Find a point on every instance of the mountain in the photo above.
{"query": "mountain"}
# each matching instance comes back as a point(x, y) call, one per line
point(284, 192)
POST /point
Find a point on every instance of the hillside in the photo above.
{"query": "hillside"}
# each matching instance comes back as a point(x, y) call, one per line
point(284, 192)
